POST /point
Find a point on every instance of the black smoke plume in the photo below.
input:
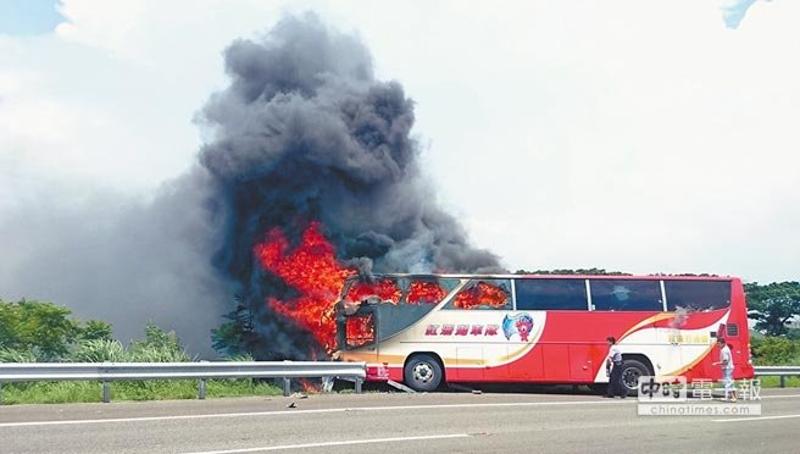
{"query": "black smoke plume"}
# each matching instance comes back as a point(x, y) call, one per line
point(305, 132)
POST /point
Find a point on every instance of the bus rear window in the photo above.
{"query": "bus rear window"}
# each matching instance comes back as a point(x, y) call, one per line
point(626, 295)
point(697, 295)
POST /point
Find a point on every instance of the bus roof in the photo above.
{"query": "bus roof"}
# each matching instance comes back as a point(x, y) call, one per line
point(556, 276)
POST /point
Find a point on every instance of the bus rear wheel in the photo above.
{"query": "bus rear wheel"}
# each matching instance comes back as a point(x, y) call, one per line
point(423, 373)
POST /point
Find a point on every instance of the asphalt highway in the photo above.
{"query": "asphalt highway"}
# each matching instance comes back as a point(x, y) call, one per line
point(381, 422)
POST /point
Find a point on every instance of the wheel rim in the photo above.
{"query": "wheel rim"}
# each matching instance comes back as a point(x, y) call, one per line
point(423, 372)
point(630, 377)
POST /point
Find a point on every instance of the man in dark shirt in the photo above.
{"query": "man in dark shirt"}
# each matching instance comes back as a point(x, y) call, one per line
point(614, 370)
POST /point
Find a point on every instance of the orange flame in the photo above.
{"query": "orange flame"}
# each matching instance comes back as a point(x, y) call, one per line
point(425, 292)
point(483, 294)
point(386, 291)
point(360, 330)
point(312, 269)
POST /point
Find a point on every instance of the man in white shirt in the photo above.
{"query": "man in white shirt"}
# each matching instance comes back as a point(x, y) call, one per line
point(614, 370)
point(726, 361)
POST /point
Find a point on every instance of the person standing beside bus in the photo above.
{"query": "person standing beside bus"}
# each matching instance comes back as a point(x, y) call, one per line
point(614, 370)
point(726, 361)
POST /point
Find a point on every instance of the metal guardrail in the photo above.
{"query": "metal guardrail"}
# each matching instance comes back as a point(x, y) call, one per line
point(778, 371)
point(202, 371)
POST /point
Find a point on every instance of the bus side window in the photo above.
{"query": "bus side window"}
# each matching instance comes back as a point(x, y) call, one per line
point(425, 292)
point(483, 294)
point(551, 294)
point(626, 295)
point(697, 296)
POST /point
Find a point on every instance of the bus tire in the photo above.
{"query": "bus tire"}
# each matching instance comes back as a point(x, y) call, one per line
point(632, 369)
point(423, 373)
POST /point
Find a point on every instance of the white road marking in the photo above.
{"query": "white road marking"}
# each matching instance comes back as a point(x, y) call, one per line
point(333, 443)
point(757, 418)
point(314, 411)
point(332, 410)
point(780, 396)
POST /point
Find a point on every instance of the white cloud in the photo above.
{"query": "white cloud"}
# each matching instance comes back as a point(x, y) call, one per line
point(593, 134)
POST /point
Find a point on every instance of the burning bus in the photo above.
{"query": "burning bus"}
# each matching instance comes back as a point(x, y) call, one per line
point(428, 330)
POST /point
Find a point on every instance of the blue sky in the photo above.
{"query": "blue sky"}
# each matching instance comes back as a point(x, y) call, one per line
point(28, 17)
point(733, 11)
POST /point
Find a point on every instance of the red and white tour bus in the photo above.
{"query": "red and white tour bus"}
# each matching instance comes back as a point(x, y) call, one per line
point(427, 330)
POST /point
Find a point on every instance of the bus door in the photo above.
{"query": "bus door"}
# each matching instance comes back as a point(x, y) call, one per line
point(358, 331)
point(478, 312)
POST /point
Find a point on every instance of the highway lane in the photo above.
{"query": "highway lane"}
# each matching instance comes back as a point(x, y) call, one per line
point(393, 423)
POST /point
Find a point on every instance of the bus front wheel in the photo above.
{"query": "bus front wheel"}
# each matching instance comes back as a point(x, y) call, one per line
point(631, 371)
point(423, 373)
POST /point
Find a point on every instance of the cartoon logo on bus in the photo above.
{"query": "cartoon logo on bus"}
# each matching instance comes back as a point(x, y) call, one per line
point(521, 324)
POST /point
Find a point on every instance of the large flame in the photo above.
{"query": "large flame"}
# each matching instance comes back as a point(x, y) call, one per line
point(425, 292)
point(386, 290)
point(312, 269)
point(483, 294)
point(360, 330)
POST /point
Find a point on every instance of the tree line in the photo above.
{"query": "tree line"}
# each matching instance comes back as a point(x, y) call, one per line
point(32, 331)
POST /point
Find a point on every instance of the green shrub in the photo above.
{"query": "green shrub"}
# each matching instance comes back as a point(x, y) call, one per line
point(775, 351)
point(45, 327)
point(45, 330)
point(241, 357)
point(99, 350)
point(158, 346)
point(96, 330)
point(11, 355)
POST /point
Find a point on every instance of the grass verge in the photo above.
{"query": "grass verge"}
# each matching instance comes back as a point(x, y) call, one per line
point(775, 382)
point(91, 391)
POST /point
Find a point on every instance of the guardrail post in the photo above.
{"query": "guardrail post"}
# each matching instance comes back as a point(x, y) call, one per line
point(287, 387)
point(106, 392)
point(783, 381)
point(201, 388)
point(359, 382)
point(1, 393)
